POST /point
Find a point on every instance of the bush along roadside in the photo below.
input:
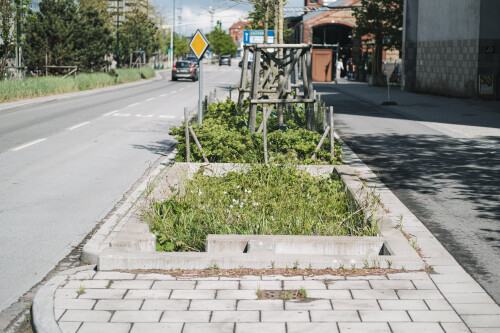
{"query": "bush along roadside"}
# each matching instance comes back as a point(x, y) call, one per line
point(225, 138)
point(15, 89)
point(265, 200)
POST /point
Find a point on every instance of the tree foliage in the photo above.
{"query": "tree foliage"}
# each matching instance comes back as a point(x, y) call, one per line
point(138, 32)
point(382, 22)
point(69, 34)
point(10, 12)
point(221, 42)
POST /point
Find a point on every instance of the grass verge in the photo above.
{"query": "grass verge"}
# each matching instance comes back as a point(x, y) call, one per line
point(12, 90)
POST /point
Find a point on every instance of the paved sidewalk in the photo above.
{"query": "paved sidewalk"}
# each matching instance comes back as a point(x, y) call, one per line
point(404, 302)
point(459, 118)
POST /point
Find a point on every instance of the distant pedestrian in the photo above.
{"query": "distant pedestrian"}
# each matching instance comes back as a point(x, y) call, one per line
point(340, 67)
point(350, 69)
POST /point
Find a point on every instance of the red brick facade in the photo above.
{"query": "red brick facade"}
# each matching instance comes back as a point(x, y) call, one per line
point(344, 17)
point(236, 30)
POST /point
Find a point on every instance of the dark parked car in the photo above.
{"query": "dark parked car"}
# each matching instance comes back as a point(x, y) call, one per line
point(249, 65)
point(185, 70)
point(225, 60)
point(193, 59)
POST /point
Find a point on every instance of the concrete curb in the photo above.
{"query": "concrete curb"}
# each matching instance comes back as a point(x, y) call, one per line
point(102, 238)
point(42, 311)
point(6, 107)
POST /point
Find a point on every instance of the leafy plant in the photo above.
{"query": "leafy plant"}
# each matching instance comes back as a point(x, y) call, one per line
point(225, 138)
point(266, 200)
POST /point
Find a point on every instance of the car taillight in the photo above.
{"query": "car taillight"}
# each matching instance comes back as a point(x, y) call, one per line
point(174, 69)
point(192, 68)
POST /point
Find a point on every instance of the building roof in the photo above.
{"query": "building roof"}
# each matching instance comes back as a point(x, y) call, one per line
point(239, 25)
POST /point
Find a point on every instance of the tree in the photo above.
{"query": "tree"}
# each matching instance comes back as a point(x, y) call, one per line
point(52, 32)
point(181, 45)
point(382, 22)
point(93, 40)
point(138, 32)
point(10, 12)
point(221, 42)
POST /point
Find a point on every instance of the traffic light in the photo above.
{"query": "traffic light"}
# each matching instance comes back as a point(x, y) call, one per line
point(219, 24)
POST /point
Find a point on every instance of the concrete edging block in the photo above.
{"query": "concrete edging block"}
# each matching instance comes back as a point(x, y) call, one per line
point(125, 252)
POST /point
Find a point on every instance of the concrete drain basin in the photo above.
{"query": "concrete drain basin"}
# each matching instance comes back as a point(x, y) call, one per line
point(133, 247)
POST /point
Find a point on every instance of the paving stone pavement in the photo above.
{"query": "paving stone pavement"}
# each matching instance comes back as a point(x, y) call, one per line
point(90, 301)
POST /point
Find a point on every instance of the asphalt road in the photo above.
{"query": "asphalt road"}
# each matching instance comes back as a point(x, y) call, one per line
point(446, 170)
point(65, 164)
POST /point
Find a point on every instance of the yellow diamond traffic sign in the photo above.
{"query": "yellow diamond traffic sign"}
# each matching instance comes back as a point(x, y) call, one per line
point(199, 44)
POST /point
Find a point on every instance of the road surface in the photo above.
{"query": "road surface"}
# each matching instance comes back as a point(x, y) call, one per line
point(65, 164)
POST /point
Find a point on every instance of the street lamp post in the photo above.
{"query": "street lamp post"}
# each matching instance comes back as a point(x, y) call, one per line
point(172, 40)
point(117, 34)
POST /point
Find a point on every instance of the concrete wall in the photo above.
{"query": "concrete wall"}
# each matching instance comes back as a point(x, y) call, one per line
point(410, 32)
point(447, 47)
point(442, 20)
point(490, 19)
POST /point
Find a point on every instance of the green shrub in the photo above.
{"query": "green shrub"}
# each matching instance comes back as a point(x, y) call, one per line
point(225, 138)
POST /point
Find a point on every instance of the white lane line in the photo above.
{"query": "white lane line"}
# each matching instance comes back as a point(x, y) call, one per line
point(131, 105)
point(110, 113)
point(168, 117)
point(78, 125)
point(31, 143)
point(150, 99)
point(121, 115)
point(141, 116)
point(162, 95)
point(181, 89)
point(173, 92)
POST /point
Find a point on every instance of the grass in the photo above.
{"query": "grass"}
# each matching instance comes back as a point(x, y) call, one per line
point(266, 200)
point(14, 89)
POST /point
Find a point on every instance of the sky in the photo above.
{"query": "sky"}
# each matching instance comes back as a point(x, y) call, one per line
point(195, 14)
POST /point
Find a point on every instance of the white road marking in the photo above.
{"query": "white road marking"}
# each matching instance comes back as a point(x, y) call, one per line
point(150, 99)
point(141, 116)
point(78, 125)
point(121, 115)
point(131, 105)
point(163, 95)
point(181, 89)
point(28, 144)
point(110, 113)
point(168, 117)
point(173, 92)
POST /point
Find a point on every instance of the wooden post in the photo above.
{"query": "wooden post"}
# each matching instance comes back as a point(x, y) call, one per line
point(323, 110)
point(318, 147)
point(186, 125)
point(265, 136)
point(198, 144)
point(265, 115)
point(46, 61)
point(254, 91)
point(332, 134)
point(243, 79)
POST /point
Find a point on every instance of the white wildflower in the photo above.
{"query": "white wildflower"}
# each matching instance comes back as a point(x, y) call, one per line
point(235, 201)
point(224, 192)
point(199, 192)
point(255, 204)
point(231, 206)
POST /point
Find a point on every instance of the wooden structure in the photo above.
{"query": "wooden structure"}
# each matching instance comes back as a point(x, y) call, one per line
point(271, 78)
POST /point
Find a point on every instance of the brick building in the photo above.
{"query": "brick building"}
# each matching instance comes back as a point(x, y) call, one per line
point(236, 30)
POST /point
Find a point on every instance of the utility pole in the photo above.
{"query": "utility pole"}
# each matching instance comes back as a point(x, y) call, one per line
point(18, 54)
point(117, 34)
point(172, 39)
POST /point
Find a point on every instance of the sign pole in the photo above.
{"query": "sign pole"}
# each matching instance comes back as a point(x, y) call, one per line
point(199, 44)
point(200, 93)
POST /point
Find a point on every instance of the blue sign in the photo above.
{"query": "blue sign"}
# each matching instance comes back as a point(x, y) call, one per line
point(257, 37)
